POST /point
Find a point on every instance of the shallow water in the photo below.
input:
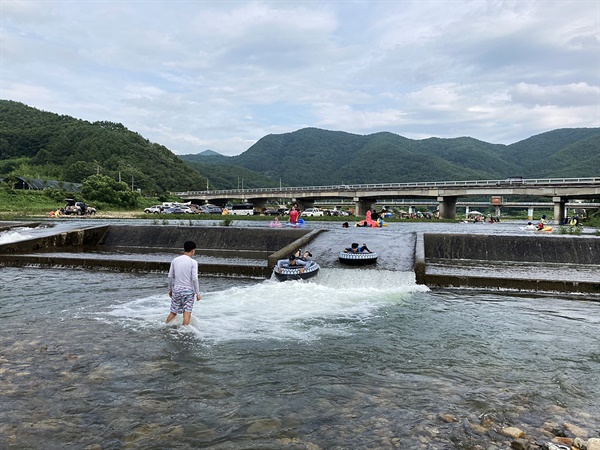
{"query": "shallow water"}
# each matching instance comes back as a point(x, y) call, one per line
point(351, 359)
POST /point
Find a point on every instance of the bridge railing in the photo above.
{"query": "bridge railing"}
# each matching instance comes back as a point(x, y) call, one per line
point(426, 184)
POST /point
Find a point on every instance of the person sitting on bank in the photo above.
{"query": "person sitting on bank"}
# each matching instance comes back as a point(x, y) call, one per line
point(355, 248)
point(291, 263)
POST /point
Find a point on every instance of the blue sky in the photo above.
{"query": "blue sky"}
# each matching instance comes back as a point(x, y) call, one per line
point(197, 75)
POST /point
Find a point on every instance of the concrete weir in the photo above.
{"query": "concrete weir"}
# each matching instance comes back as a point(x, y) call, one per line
point(543, 263)
point(530, 263)
point(80, 248)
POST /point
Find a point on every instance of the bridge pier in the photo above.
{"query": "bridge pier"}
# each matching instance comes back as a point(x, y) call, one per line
point(559, 209)
point(498, 210)
point(362, 206)
point(258, 203)
point(530, 213)
point(447, 207)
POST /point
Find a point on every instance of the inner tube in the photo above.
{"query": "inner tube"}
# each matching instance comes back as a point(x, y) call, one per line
point(298, 224)
point(293, 272)
point(357, 259)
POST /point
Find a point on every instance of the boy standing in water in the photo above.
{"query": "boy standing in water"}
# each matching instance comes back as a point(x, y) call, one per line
point(183, 284)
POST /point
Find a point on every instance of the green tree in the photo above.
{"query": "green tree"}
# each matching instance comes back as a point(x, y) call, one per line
point(78, 171)
point(103, 189)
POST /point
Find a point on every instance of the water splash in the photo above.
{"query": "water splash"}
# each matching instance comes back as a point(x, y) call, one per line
point(15, 235)
point(333, 303)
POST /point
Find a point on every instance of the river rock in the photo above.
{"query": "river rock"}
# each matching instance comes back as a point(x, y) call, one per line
point(448, 418)
point(593, 444)
point(551, 446)
point(512, 432)
point(575, 430)
point(520, 444)
point(261, 426)
point(579, 443)
point(563, 440)
point(478, 428)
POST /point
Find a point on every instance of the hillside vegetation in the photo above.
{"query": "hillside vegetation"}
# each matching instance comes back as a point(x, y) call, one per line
point(39, 144)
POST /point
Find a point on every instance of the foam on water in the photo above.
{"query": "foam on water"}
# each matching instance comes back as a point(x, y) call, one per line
point(332, 303)
point(15, 235)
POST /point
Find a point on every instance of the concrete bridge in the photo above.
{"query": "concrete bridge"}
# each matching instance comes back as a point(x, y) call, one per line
point(446, 193)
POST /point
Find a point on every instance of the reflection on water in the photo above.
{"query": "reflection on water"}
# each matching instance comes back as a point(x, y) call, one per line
point(352, 359)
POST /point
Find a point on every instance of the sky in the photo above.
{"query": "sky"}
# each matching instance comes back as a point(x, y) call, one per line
point(220, 75)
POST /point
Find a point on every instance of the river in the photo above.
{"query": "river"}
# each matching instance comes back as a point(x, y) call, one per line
point(354, 358)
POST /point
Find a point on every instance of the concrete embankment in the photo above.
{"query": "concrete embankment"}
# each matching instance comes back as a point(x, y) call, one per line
point(567, 263)
point(77, 248)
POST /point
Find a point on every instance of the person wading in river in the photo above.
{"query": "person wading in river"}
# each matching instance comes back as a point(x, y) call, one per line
point(183, 284)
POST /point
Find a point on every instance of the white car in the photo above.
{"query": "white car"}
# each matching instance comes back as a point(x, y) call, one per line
point(312, 212)
point(156, 209)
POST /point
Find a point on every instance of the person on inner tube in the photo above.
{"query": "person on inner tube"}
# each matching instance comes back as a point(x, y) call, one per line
point(292, 262)
point(355, 248)
point(303, 256)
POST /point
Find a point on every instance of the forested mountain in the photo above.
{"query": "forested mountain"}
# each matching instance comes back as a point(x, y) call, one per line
point(40, 144)
point(317, 157)
point(568, 152)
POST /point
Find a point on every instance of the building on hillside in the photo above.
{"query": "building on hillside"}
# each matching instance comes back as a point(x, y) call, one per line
point(39, 185)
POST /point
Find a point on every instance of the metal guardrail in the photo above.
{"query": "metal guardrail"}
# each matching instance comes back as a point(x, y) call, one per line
point(530, 182)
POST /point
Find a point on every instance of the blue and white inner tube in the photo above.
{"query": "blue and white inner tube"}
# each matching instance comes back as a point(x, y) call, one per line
point(293, 272)
point(358, 259)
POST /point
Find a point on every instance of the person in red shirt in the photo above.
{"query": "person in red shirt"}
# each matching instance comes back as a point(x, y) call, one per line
point(294, 217)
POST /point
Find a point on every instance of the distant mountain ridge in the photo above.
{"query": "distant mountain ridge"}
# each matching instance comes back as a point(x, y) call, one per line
point(209, 152)
point(39, 144)
point(312, 156)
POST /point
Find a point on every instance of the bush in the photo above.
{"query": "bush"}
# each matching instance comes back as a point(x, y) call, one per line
point(105, 190)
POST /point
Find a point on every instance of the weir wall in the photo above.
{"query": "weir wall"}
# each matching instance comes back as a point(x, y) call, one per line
point(66, 239)
point(227, 242)
point(565, 253)
point(448, 250)
point(536, 249)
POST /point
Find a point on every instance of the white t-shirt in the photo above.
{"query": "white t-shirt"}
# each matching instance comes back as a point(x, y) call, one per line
point(183, 274)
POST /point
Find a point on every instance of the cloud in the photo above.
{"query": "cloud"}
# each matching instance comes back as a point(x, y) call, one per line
point(221, 75)
point(574, 94)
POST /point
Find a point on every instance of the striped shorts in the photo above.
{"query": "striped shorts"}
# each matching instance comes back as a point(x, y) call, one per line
point(182, 300)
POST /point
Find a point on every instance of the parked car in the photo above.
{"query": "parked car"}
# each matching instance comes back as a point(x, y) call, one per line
point(178, 210)
point(77, 208)
point(210, 209)
point(312, 212)
point(243, 209)
point(156, 209)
